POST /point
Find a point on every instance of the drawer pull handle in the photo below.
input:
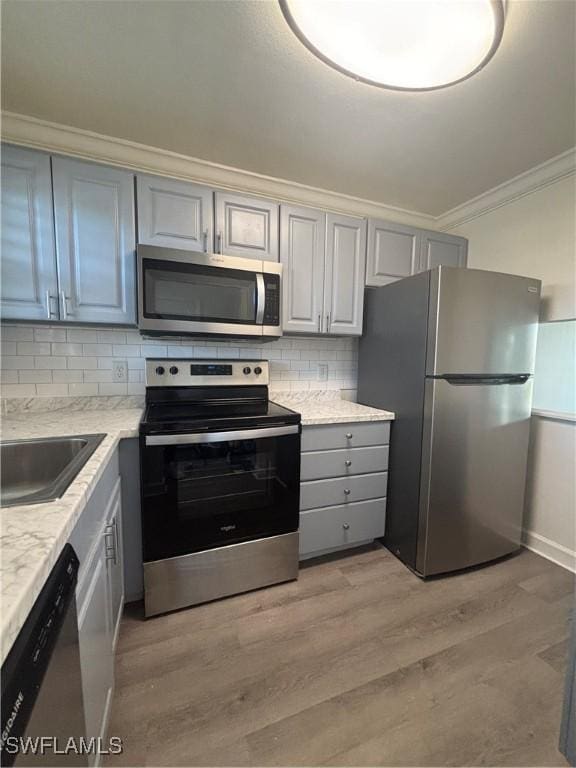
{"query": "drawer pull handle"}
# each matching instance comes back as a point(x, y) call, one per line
point(345, 526)
point(347, 491)
point(348, 463)
point(349, 435)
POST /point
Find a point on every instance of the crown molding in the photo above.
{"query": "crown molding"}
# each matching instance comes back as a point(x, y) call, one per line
point(536, 178)
point(29, 131)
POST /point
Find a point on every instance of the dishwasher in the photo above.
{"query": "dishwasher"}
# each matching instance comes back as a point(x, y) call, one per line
point(42, 703)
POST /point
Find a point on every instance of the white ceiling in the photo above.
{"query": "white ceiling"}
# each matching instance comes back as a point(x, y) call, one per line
point(227, 81)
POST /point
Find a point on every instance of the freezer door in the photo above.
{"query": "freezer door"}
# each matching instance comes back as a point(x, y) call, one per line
point(481, 322)
point(473, 472)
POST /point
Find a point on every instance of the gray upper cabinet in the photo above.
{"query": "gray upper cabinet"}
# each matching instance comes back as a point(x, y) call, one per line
point(174, 214)
point(393, 252)
point(345, 274)
point(396, 251)
point(302, 249)
point(246, 226)
point(439, 249)
point(29, 285)
point(95, 241)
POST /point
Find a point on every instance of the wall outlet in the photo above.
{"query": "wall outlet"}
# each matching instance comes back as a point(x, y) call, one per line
point(323, 371)
point(119, 371)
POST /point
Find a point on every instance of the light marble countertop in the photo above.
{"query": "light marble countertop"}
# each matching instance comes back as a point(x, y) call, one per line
point(32, 536)
point(326, 407)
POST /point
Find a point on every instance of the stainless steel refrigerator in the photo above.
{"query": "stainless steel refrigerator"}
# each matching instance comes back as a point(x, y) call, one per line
point(452, 351)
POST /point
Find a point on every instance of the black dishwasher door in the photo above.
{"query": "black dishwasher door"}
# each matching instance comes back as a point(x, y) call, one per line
point(41, 678)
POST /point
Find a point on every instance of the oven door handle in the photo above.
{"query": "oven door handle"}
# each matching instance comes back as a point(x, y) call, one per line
point(260, 298)
point(221, 437)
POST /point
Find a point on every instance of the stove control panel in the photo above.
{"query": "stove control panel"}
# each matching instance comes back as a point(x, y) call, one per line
point(166, 372)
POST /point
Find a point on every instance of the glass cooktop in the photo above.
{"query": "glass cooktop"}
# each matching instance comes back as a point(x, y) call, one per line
point(200, 416)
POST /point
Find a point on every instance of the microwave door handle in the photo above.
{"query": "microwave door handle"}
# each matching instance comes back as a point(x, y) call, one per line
point(260, 298)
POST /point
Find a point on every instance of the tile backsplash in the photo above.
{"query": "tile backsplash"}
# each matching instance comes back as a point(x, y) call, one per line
point(55, 361)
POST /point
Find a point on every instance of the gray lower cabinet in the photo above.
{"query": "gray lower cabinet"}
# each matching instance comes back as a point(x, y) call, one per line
point(341, 527)
point(174, 214)
point(114, 562)
point(327, 437)
point(440, 249)
point(302, 253)
point(95, 242)
point(29, 282)
point(97, 540)
point(246, 226)
point(340, 490)
point(344, 474)
point(96, 655)
point(320, 465)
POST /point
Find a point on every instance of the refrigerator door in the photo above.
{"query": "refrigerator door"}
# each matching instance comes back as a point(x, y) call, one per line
point(481, 322)
point(473, 471)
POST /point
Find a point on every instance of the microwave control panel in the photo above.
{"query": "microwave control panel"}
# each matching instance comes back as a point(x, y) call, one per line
point(272, 302)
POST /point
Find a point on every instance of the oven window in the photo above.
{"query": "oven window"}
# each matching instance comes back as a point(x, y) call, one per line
point(175, 291)
point(206, 495)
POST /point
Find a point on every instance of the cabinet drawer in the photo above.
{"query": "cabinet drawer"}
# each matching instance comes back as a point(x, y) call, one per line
point(318, 465)
point(331, 527)
point(342, 490)
point(325, 437)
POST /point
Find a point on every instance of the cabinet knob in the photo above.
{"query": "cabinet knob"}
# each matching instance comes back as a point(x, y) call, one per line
point(347, 491)
point(348, 463)
point(345, 526)
point(349, 435)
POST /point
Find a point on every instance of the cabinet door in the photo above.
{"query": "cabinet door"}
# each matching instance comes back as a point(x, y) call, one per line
point(438, 248)
point(96, 647)
point(393, 252)
point(95, 242)
point(115, 563)
point(302, 246)
point(345, 270)
point(175, 214)
point(246, 226)
point(29, 287)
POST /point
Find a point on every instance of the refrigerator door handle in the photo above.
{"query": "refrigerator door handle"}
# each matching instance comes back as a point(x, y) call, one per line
point(462, 381)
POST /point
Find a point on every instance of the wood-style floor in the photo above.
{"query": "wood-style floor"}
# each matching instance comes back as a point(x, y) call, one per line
point(358, 663)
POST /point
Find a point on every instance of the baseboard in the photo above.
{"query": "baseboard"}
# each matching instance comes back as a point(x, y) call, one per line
point(550, 550)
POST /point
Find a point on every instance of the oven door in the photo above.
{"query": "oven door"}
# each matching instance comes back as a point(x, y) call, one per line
point(183, 292)
point(201, 491)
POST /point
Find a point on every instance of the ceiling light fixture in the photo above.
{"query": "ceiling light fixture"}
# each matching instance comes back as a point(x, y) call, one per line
point(407, 45)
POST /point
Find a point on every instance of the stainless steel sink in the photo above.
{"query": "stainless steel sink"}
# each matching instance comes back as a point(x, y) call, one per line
point(39, 470)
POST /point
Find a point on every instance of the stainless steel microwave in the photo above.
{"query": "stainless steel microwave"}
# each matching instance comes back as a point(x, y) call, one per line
point(183, 292)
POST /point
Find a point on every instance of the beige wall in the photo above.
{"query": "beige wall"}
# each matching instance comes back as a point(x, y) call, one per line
point(550, 517)
point(536, 236)
point(533, 236)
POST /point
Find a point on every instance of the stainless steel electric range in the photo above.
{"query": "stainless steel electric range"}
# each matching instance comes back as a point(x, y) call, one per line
point(220, 480)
